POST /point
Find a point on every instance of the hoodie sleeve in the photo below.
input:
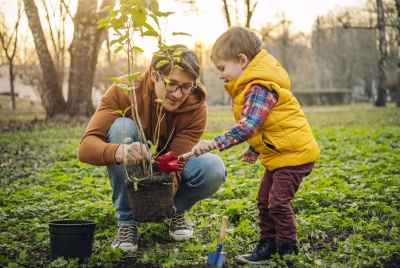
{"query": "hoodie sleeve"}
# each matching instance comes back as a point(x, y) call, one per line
point(93, 148)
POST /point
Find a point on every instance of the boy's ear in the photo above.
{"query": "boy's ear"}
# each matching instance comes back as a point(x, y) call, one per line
point(243, 60)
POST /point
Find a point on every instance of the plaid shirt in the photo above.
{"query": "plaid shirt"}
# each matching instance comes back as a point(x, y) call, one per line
point(258, 101)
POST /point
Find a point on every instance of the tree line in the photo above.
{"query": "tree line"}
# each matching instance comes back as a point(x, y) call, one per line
point(354, 48)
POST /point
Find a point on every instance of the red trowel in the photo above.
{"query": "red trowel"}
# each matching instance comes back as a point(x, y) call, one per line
point(169, 162)
point(216, 258)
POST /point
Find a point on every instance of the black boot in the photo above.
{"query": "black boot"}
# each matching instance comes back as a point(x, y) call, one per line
point(261, 254)
point(287, 249)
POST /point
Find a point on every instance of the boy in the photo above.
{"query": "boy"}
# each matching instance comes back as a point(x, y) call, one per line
point(271, 120)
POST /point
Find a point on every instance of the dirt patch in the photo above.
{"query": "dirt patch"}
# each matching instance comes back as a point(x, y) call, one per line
point(152, 201)
point(394, 262)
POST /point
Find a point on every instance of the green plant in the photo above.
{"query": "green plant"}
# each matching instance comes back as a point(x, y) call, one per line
point(347, 211)
point(133, 17)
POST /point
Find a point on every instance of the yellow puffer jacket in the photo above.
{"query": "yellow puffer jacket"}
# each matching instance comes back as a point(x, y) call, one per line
point(285, 138)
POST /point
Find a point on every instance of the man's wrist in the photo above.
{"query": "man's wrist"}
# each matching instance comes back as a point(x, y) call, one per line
point(119, 154)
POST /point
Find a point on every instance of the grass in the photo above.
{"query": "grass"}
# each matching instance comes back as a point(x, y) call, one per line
point(347, 209)
point(25, 110)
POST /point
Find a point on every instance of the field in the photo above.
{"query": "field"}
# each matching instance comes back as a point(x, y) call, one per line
point(348, 209)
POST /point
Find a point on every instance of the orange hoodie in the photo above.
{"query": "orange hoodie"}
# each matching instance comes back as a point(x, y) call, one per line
point(184, 127)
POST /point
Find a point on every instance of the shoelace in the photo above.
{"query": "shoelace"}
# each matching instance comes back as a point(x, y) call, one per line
point(253, 242)
point(179, 222)
point(126, 233)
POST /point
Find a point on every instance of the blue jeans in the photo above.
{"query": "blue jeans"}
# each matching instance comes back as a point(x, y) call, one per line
point(201, 176)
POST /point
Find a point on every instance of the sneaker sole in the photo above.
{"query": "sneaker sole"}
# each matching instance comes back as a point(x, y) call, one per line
point(181, 237)
point(126, 247)
point(244, 261)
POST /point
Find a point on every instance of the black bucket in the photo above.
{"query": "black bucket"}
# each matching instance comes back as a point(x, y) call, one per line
point(71, 239)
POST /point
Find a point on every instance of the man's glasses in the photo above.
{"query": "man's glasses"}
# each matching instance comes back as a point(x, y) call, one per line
point(172, 87)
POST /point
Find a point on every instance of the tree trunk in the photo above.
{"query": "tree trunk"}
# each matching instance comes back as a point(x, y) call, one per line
point(381, 98)
point(398, 53)
point(52, 98)
point(84, 50)
point(227, 15)
point(12, 90)
point(249, 11)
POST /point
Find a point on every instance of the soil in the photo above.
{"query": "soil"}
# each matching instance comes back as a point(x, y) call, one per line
point(130, 262)
point(394, 262)
point(153, 199)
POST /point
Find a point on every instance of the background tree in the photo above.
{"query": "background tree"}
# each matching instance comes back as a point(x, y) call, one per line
point(231, 9)
point(9, 43)
point(381, 98)
point(292, 50)
point(398, 52)
point(84, 49)
point(51, 94)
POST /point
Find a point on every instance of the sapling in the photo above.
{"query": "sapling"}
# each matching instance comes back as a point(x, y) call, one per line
point(127, 20)
point(130, 20)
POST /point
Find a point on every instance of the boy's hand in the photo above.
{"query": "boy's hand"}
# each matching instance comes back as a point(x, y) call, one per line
point(249, 157)
point(203, 147)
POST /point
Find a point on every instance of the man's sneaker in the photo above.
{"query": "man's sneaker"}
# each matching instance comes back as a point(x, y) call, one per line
point(179, 229)
point(126, 238)
point(287, 249)
point(261, 253)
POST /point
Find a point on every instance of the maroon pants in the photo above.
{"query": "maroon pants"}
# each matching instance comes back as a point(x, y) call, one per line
point(275, 215)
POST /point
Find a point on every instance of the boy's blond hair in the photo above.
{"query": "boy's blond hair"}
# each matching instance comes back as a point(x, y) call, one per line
point(234, 41)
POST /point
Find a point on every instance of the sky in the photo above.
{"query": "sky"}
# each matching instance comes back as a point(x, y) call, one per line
point(209, 22)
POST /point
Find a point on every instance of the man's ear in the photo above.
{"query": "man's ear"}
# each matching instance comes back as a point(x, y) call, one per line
point(243, 60)
point(153, 75)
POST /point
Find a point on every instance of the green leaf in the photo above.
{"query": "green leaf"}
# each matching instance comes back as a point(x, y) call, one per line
point(164, 14)
point(138, 17)
point(119, 112)
point(106, 8)
point(126, 110)
point(180, 33)
point(161, 63)
point(102, 23)
point(165, 47)
point(152, 5)
point(119, 48)
point(149, 33)
point(155, 18)
point(137, 49)
point(123, 86)
point(120, 40)
point(159, 54)
point(133, 76)
point(114, 14)
point(153, 147)
point(115, 79)
point(180, 50)
point(150, 28)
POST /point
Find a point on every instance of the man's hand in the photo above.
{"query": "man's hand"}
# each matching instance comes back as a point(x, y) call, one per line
point(249, 157)
point(131, 154)
point(203, 147)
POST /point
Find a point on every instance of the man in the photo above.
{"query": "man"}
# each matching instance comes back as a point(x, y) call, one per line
point(184, 121)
